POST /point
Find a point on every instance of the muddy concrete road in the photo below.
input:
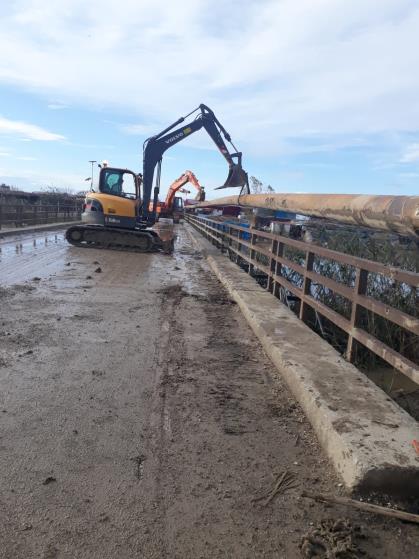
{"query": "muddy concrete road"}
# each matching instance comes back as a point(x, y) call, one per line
point(139, 418)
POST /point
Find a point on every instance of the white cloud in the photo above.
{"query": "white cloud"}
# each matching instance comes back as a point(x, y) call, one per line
point(4, 154)
point(141, 129)
point(409, 175)
point(271, 69)
point(31, 131)
point(30, 180)
point(411, 154)
point(57, 106)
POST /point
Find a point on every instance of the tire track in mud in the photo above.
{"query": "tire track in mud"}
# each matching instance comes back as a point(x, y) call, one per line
point(206, 400)
point(169, 358)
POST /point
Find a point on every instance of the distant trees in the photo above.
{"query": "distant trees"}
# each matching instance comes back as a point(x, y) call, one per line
point(257, 186)
point(51, 189)
point(7, 188)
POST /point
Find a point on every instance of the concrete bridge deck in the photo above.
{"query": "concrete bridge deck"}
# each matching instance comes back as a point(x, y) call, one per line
point(140, 417)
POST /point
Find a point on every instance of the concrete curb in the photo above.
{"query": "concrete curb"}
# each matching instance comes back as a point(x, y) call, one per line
point(36, 228)
point(367, 437)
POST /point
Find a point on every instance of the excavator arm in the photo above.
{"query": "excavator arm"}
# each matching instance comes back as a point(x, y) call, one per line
point(176, 186)
point(155, 147)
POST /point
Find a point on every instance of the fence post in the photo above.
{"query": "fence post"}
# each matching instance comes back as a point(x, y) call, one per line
point(306, 282)
point(19, 216)
point(1, 214)
point(360, 288)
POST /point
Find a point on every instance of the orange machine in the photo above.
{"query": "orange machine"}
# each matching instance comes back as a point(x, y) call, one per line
point(173, 205)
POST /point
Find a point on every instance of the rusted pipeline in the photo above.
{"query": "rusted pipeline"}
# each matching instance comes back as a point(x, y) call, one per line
point(390, 213)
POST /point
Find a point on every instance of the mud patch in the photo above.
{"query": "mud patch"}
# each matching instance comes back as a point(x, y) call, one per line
point(139, 466)
point(409, 402)
point(177, 292)
point(332, 539)
point(232, 410)
point(15, 289)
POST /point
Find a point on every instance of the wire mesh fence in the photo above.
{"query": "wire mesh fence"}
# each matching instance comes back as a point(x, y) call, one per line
point(359, 303)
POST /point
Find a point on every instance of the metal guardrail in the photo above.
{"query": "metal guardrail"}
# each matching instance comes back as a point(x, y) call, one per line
point(266, 252)
point(21, 215)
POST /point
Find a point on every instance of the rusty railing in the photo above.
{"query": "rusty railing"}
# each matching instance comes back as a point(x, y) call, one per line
point(267, 253)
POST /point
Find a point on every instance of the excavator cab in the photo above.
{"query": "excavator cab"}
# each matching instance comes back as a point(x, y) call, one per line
point(119, 182)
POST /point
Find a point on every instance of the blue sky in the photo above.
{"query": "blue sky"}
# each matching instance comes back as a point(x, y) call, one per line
point(320, 95)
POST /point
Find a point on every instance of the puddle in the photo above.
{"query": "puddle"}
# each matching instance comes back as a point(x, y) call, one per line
point(25, 257)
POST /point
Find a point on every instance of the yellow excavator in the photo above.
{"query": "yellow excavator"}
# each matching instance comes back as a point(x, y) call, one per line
point(120, 215)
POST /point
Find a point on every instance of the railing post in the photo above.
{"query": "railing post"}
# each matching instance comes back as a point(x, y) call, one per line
point(278, 266)
point(223, 237)
point(1, 214)
point(230, 241)
point(272, 262)
point(239, 245)
point(360, 288)
point(306, 282)
point(253, 237)
point(34, 212)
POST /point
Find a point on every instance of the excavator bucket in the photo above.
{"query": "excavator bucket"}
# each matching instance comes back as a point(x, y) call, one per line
point(237, 176)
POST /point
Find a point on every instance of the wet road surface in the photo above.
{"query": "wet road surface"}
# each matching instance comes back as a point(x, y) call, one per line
point(23, 257)
point(140, 418)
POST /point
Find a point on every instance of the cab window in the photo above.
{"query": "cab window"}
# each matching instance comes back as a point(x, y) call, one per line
point(178, 203)
point(118, 183)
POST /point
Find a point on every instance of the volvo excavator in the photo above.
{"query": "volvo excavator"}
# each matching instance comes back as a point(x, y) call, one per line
point(172, 207)
point(120, 215)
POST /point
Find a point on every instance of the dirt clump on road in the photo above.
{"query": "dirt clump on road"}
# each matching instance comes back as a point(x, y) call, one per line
point(332, 539)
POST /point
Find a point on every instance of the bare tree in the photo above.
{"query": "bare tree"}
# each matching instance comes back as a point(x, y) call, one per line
point(257, 186)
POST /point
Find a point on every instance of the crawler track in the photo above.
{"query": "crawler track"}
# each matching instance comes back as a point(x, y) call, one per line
point(89, 236)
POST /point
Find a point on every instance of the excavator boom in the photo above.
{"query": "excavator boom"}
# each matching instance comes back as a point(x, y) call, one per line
point(155, 147)
point(176, 186)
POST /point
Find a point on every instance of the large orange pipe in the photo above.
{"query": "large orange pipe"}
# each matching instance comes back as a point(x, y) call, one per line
point(399, 214)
